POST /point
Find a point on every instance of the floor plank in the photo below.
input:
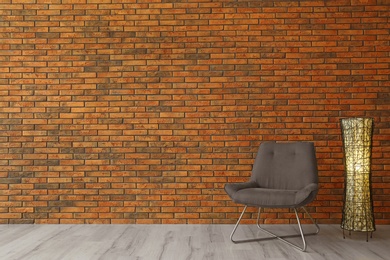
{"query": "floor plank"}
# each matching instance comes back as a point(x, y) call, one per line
point(187, 242)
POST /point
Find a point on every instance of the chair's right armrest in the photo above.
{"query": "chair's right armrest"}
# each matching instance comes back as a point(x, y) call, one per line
point(232, 188)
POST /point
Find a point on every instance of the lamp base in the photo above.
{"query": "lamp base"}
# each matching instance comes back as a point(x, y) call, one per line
point(367, 232)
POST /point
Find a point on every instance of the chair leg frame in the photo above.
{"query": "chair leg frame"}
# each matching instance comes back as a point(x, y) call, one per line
point(274, 236)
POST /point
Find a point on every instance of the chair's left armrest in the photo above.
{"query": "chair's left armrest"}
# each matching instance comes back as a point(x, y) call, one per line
point(308, 191)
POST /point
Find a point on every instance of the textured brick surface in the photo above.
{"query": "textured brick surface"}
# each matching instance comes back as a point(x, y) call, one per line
point(138, 111)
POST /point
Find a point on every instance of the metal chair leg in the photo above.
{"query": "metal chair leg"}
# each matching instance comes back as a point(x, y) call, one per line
point(274, 236)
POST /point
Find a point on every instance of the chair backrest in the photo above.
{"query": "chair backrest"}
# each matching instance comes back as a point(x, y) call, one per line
point(289, 166)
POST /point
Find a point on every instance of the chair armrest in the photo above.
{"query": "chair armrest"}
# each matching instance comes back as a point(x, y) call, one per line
point(232, 188)
point(307, 194)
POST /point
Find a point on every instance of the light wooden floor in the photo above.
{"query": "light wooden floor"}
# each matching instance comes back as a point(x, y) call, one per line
point(177, 242)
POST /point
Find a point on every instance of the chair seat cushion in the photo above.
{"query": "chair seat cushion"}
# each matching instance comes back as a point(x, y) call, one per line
point(249, 193)
point(269, 198)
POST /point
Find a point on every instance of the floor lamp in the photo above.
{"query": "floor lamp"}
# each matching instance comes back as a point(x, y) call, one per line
point(357, 139)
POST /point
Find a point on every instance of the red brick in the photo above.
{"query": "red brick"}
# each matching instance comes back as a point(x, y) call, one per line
point(145, 122)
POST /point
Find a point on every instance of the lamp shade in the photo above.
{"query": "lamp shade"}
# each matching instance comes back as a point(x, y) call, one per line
point(357, 142)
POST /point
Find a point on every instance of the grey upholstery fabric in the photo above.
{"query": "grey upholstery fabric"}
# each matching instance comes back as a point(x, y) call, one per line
point(284, 175)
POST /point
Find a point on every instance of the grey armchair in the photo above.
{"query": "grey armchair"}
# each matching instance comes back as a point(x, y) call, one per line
point(284, 175)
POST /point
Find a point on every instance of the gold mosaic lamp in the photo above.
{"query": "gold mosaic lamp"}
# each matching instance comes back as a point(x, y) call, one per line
point(358, 210)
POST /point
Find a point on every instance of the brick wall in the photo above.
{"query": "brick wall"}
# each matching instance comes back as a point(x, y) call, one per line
point(139, 111)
